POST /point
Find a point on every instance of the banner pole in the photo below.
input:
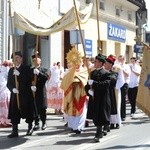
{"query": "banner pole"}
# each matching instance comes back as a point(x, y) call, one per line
point(35, 76)
point(13, 48)
point(98, 27)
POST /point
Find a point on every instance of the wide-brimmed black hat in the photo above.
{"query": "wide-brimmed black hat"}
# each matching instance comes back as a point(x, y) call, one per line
point(101, 58)
point(34, 56)
point(18, 53)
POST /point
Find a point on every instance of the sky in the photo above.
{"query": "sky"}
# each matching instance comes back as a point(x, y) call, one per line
point(148, 14)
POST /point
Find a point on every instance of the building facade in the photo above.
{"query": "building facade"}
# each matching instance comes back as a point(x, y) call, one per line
point(117, 25)
point(117, 28)
point(4, 31)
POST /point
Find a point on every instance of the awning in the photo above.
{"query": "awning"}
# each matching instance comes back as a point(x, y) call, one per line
point(41, 24)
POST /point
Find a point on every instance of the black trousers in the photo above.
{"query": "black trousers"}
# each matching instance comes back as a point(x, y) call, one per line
point(124, 92)
point(16, 119)
point(132, 94)
point(41, 116)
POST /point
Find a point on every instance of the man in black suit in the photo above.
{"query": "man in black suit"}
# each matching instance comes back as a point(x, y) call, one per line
point(21, 100)
point(98, 90)
point(38, 87)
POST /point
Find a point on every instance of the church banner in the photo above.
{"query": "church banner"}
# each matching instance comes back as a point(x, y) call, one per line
point(143, 97)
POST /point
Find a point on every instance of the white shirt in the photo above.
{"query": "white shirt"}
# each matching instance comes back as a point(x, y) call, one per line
point(55, 75)
point(127, 70)
point(122, 79)
point(134, 79)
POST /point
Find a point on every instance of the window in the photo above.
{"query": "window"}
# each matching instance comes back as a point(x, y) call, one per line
point(117, 11)
point(88, 1)
point(130, 16)
point(102, 5)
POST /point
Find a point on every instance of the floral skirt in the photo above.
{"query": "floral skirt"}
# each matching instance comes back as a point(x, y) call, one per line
point(54, 97)
point(4, 106)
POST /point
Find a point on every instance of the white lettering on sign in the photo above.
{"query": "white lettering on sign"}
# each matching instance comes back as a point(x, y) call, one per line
point(116, 32)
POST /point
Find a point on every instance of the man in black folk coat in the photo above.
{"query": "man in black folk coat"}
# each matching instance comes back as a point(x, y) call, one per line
point(114, 117)
point(21, 107)
point(39, 91)
point(98, 90)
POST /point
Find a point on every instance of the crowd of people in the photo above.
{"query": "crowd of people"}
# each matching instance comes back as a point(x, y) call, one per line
point(86, 90)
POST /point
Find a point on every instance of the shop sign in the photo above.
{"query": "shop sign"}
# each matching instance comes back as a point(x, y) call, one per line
point(138, 48)
point(88, 47)
point(116, 33)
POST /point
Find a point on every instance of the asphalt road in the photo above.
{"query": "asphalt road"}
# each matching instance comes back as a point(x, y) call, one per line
point(134, 134)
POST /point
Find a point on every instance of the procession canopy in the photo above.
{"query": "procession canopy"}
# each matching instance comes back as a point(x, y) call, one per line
point(143, 96)
point(28, 17)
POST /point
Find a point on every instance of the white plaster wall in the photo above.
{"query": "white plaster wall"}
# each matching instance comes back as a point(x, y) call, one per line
point(91, 31)
point(55, 48)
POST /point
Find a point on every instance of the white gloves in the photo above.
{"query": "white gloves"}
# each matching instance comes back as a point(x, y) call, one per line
point(90, 82)
point(36, 71)
point(15, 91)
point(16, 72)
point(91, 92)
point(33, 88)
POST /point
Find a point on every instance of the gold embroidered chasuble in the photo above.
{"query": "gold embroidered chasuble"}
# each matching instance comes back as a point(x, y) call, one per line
point(73, 85)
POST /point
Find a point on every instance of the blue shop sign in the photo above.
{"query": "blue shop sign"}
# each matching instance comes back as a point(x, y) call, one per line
point(138, 48)
point(116, 33)
point(88, 47)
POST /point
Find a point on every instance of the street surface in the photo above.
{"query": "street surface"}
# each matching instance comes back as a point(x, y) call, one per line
point(134, 134)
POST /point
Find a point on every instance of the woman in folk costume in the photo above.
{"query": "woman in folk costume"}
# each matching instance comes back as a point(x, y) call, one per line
point(75, 99)
point(54, 92)
point(4, 95)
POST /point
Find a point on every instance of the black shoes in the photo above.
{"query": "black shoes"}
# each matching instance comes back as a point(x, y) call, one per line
point(13, 134)
point(36, 127)
point(123, 119)
point(43, 126)
point(66, 125)
point(97, 137)
point(117, 126)
point(29, 131)
point(105, 132)
point(112, 126)
point(86, 123)
point(77, 131)
point(106, 129)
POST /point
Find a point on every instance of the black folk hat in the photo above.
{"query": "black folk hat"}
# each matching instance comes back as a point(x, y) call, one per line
point(18, 53)
point(101, 58)
point(34, 56)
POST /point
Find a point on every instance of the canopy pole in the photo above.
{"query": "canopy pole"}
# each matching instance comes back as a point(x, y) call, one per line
point(98, 27)
point(35, 76)
point(81, 36)
point(36, 65)
point(13, 49)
